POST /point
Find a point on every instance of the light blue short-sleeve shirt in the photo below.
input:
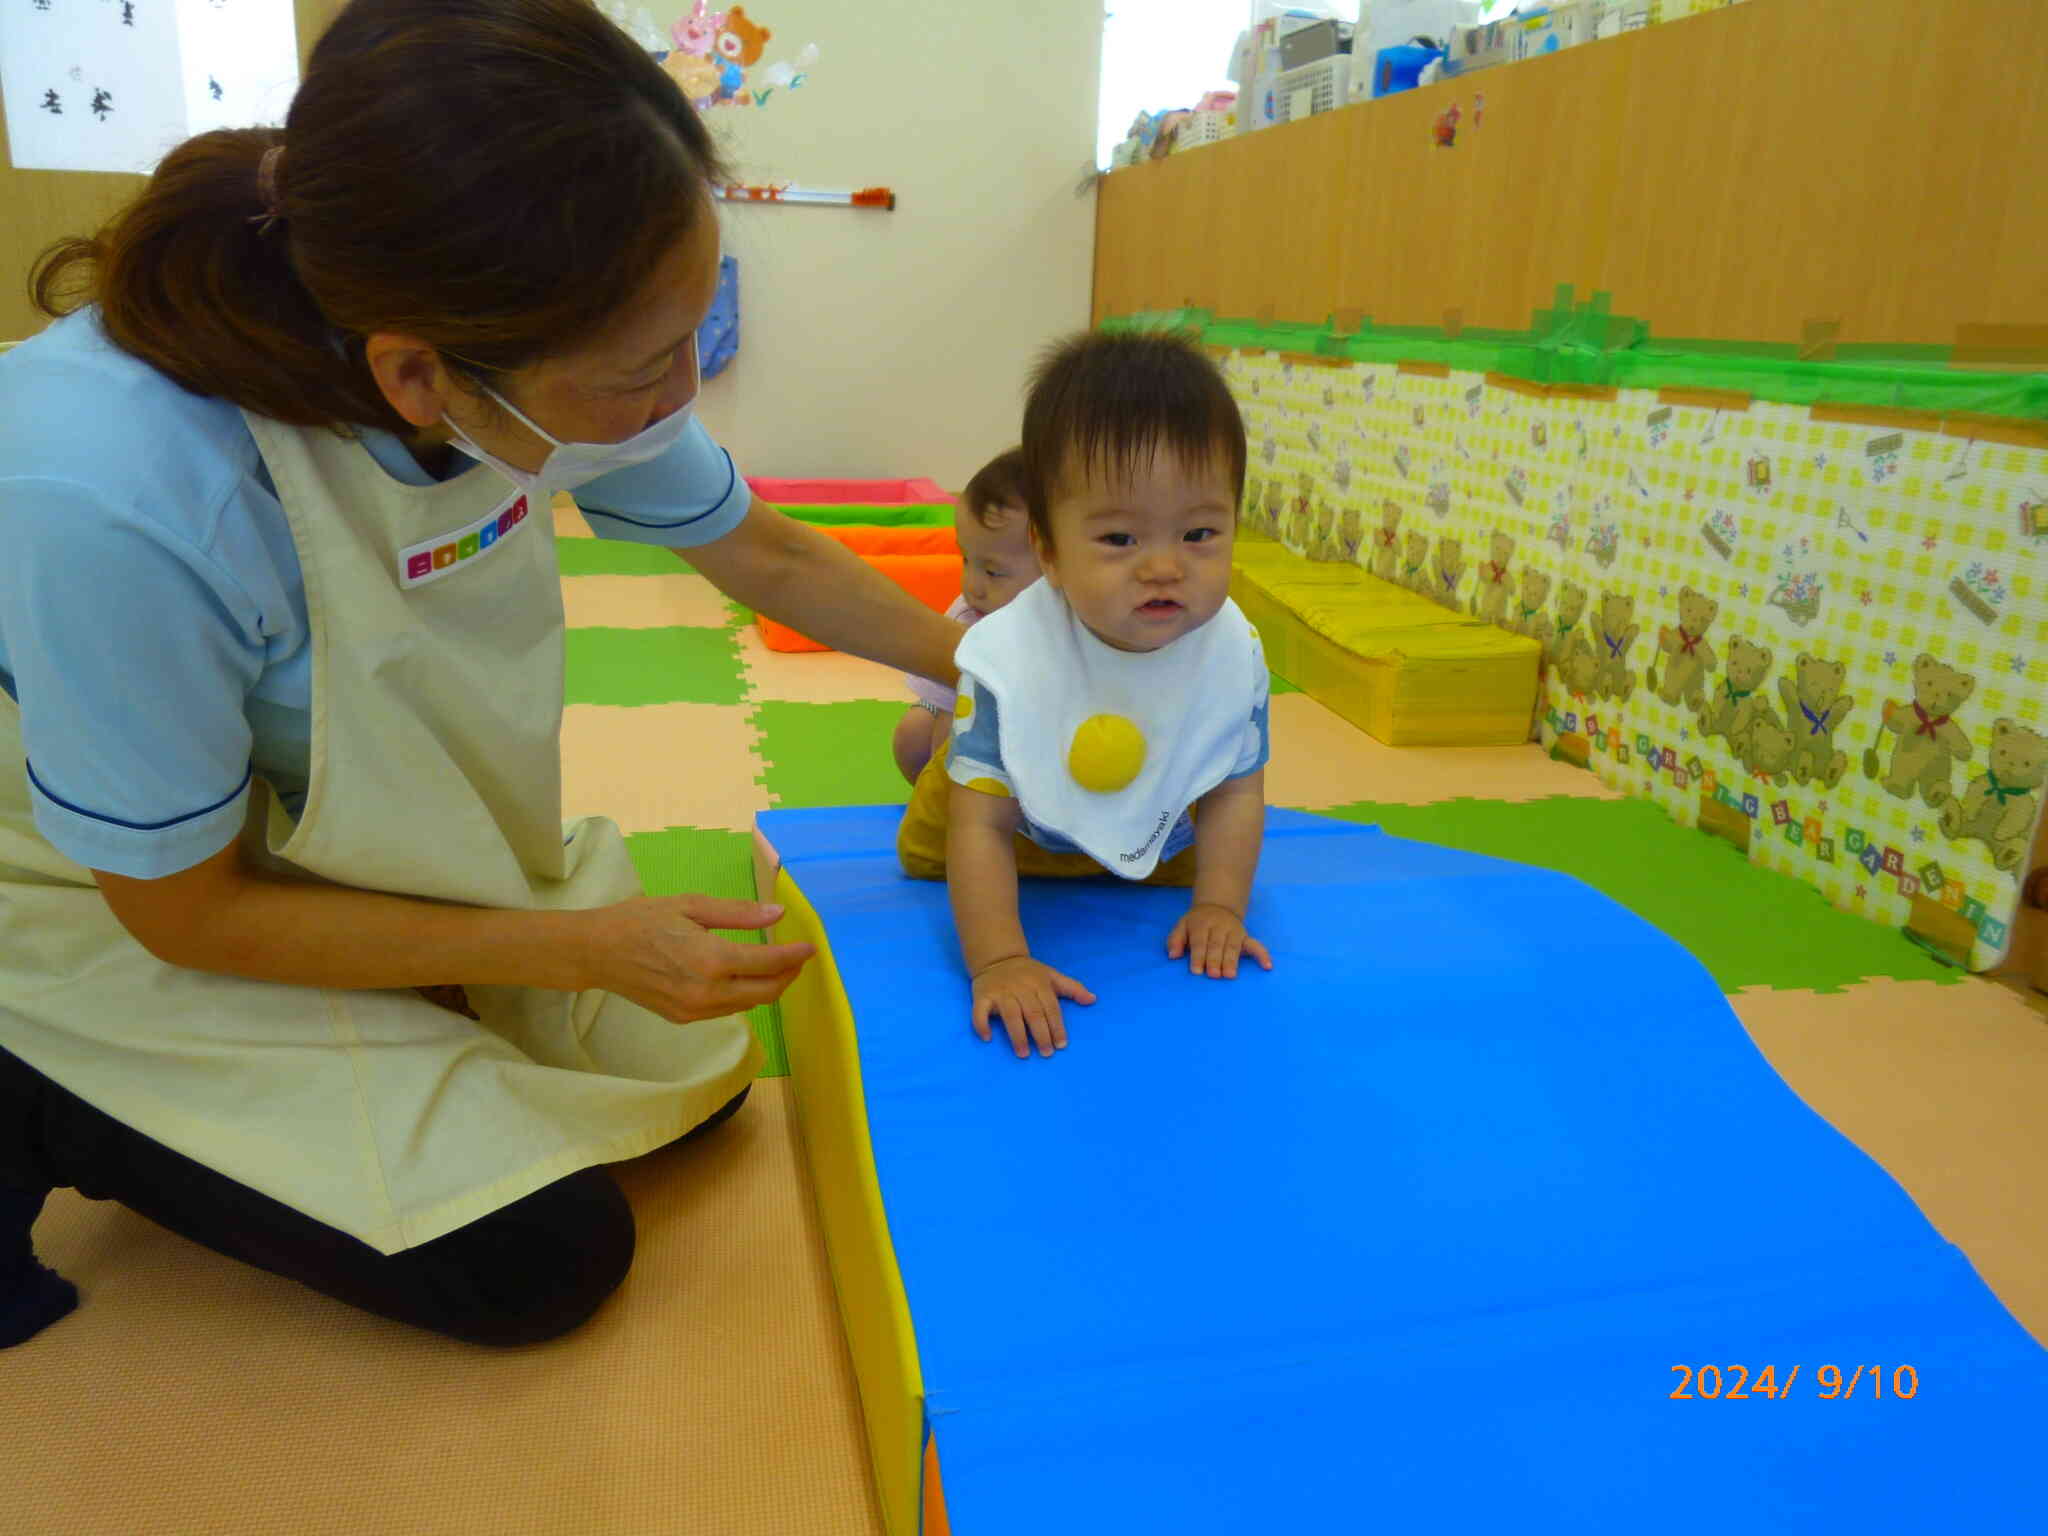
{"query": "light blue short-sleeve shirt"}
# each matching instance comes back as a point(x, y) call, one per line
point(152, 609)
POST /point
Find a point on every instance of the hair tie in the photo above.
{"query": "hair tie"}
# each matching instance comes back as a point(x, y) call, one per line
point(266, 189)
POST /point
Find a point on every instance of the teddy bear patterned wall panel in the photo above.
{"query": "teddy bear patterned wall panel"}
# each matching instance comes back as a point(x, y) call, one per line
point(1830, 624)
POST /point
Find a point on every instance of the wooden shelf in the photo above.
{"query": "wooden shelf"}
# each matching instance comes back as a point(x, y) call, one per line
point(1735, 175)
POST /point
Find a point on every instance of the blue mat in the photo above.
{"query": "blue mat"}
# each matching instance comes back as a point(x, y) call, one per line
point(1408, 1234)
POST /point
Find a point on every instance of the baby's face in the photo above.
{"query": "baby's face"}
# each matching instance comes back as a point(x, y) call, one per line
point(1144, 560)
point(996, 563)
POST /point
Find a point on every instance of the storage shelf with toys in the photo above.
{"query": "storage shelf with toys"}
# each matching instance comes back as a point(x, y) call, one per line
point(1293, 64)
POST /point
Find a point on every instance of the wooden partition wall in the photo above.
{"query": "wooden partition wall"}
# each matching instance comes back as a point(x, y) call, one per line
point(37, 207)
point(1878, 163)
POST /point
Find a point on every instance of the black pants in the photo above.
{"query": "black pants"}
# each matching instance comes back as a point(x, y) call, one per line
point(532, 1270)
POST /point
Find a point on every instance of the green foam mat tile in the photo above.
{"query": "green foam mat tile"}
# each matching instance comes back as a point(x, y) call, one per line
point(1750, 927)
point(1280, 684)
point(711, 861)
point(829, 754)
point(616, 557)
point(683, 664)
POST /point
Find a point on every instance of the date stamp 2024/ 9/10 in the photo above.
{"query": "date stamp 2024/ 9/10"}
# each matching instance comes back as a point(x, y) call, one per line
point(1710, 1382)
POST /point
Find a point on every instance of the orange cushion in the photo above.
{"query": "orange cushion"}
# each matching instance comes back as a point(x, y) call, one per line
point(925, 562)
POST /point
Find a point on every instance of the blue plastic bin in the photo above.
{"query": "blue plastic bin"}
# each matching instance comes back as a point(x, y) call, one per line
point(1399, 69)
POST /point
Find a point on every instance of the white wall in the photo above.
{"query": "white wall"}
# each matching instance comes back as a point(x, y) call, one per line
point(891, 344)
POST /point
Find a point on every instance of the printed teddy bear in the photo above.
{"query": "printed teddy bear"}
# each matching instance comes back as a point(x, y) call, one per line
point(1493, 590)
point(1322, 539)
point(1295, 529)
point(1529, 618)
point(1414, 572)
point(1998, 806)
point(1618, 631)
point(1311, 525)
point(1253, 515)
point(1766, 746)
point(738, 44)
point(740, 41)
point(1307, 486)
point(1728, 709)
point(1351, 532)
point(1930, 741)
point(1815, 708)
point(1450, 570)
point(1685, 644)
point(1565, 633)
point(1276, 504)
point(1580, 670)
point(1384, 548)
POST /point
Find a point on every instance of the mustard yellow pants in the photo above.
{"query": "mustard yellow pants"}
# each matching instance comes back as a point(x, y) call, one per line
point(921, 840)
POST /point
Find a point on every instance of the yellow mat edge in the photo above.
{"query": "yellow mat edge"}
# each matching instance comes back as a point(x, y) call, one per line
point(831, 1112)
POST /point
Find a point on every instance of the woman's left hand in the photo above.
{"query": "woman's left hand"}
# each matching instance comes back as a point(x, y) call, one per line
point(1213, 937)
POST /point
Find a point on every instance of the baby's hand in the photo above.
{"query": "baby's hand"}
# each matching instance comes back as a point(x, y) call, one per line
point(1213, 937)
point(1026, 993)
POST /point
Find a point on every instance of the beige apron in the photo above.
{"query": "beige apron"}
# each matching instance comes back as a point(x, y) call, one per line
point(436, 772)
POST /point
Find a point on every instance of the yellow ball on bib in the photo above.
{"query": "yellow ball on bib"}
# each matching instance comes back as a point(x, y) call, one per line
point(1108, 752)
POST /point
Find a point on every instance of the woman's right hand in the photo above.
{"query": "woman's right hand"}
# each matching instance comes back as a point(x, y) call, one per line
point(659, 952)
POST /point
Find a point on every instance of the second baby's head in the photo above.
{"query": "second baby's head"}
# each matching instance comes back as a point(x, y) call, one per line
point(1133, 469)
point(996, 558)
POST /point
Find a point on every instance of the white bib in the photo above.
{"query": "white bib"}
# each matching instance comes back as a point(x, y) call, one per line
point(1108, 747)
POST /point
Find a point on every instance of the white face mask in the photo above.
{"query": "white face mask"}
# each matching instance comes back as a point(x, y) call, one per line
point(569, 465)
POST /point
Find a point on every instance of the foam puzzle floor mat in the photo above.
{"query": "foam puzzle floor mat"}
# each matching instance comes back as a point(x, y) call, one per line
point(667, 672)
point(713, 1399)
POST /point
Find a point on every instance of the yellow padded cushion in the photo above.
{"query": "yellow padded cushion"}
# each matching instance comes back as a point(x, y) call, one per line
point(1402, 668)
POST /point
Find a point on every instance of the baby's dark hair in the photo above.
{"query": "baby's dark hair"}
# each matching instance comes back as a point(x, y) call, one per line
point(1102, 402)
point(998, 483)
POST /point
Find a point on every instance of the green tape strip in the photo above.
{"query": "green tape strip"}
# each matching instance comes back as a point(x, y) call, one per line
point(1584, 342)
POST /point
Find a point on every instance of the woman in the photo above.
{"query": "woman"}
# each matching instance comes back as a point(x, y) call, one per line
point(294, 956)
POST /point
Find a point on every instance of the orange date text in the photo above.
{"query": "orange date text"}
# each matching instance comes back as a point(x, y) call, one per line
point(1831, 1382)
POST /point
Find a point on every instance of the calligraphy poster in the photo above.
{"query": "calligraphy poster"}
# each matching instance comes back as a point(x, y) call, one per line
point(240, 59)
point(110, 85)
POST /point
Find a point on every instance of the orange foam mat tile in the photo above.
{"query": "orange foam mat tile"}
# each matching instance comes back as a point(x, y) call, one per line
point(815, 677)
point(1945, 1086)
point(663, 765)
point(569, 521)
point(640, 602)
point(712, 1396)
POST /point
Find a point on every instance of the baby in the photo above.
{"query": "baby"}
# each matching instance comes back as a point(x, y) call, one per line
point(996, 563)
point(1113, 716)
